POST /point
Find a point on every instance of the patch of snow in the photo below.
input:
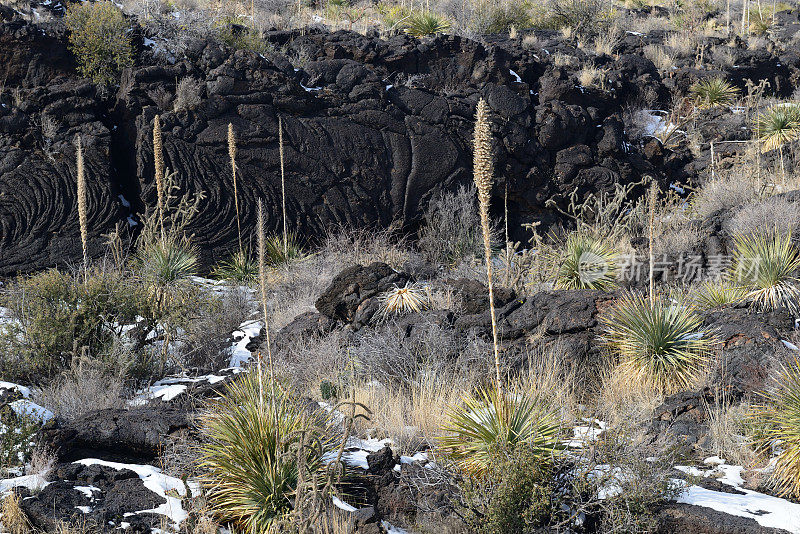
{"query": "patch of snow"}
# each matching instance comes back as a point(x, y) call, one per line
point(515, 75)
point(343, 505)
point(247, 330)
point(148, 43)
point(167, 393)
point(391, 529)
point(356, 451)
point(32, 482)
point(26, 408)
point(788, 345)
point(158, 483)
point(124, 201)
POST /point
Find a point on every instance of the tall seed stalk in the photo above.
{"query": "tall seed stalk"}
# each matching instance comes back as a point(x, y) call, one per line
point(483, 174)
point(283, 189)
point(158, 157)
point(232, 156)
point(262, 283)
point(651, 231)
point(82, 219)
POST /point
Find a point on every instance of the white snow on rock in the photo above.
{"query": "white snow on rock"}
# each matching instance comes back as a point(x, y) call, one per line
point(26, 408)
point(356, 451)
point(32, 482)
point(766, 510)
point(158, 483)
point(247, 331)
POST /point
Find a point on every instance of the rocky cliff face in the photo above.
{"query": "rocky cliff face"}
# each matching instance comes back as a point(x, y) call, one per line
point(373, 128)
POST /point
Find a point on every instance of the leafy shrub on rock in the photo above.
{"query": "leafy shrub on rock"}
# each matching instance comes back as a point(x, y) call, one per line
point(99, 39)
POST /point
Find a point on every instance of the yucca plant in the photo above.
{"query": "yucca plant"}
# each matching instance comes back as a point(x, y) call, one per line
point(779, 417)
point(713, 92)
point(718, 293)
point(240, 267)
point(766, 264)
point(250, 461)
point(778, 126)
point(168, 261)
point(587, 262)
point(658, 342)
point(494, 419)
point(280, 250)
point(411, 298)
point(425, 23)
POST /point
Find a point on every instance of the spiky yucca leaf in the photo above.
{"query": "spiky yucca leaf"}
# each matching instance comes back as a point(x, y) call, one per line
point(421, 24)
point(766, 263)
point(778, 126)
point(713, 92)
point(411, 298)
point(251, 467)
point(494, 419)
point(168, 261)
point(657, 341)
point(717, 293)
point(780, 416)
point(279, 251)
point(240, 267)
point(587, 262)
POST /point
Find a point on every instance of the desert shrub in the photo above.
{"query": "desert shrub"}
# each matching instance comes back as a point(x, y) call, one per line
point(583, 17)
point(522, 496)
point(779, 415)
point(422, 23)
point(507, 419)
point(587, 262)
point(658, 342)
point(240, 267)
point(500, 18)
point(88, 385)
point(452, 230)
point(722, 193)
point(773, 212)
point(59, 312)
point(251, 469)
point(17, 438)
point(205, 343)
point(100, 40)
point(188, 93)
point(713, 92)
point(389, 355)
point(766, 263)
point(239, 34)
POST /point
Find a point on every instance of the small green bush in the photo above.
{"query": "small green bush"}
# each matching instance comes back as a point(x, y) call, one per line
point(100, 40)
point(587, 262)
point(17, 439)
point(420, 24)
point(58, 313)
point(241, 267)
point(238, 34)
point(493, 18)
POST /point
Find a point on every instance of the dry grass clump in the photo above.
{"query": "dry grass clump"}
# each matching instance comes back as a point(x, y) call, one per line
point(83, 388)
point(188, 93)
point(773, 212)
point(621, 402)
point(590, 76)
point(13, 518)
point(727, 429)
point(723, 192)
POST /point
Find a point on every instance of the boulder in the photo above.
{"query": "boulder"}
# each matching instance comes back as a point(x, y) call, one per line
point(354, 285)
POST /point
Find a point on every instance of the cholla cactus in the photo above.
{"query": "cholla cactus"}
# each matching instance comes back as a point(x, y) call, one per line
point(483, 170)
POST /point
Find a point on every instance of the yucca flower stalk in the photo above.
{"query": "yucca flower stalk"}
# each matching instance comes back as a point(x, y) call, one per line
point(492, 420)
point(483, 174)
point(283, 190)
point(766, 263)
point(158, 158)
point(779, 414)
point(82, 216)
point(262, 284)
point(232, 156)
point(658, 342)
